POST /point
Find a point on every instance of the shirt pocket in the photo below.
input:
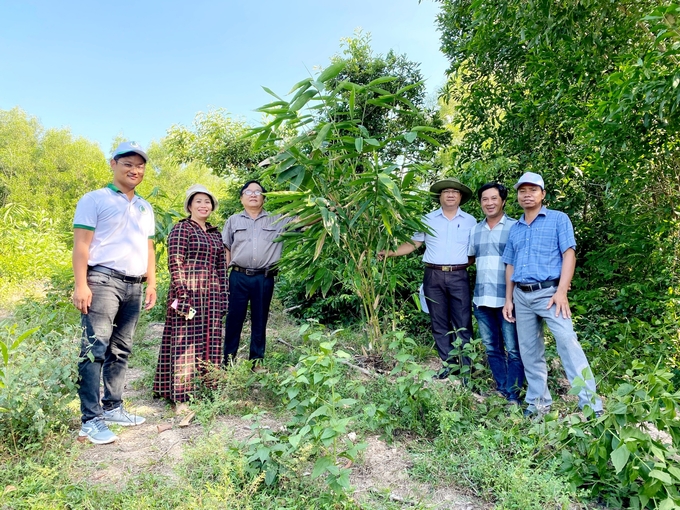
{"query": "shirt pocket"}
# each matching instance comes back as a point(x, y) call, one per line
point(269, 234)
point(240, 234)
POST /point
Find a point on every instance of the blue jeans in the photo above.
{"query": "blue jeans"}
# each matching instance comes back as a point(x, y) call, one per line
point(531, 313)
point(502, 350)
point(106, 343)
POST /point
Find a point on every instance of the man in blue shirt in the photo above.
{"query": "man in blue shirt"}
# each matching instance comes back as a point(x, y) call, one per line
point(487, 242)
point(446, 282)
point(540, 260)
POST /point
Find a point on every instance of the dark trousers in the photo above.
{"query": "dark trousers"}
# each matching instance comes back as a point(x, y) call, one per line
point(258, 291)
point(448, 299)
point(106, 342)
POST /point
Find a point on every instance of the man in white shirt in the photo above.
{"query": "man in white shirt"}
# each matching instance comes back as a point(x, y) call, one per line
point(446, 282)
point(113, 256)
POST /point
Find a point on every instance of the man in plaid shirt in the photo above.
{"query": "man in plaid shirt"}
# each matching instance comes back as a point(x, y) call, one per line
point(487, 243)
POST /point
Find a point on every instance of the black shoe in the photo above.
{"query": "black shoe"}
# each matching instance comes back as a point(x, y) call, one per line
point(442, 374)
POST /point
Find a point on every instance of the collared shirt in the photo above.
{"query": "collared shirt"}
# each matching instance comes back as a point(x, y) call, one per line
point(487, 246)
point(536, 250)
point(449, 244)
point(122, 229)
point(251, 241)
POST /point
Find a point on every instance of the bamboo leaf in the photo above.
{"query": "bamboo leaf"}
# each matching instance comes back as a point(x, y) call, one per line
point(302, 100)
point(321, 137)
point(271, 93)
point(332, 71)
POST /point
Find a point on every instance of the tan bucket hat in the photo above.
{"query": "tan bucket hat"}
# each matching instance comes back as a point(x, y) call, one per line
point(198, 188)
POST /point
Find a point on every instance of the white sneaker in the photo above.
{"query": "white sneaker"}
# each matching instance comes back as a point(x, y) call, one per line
point(119, 416)
point(97, 432)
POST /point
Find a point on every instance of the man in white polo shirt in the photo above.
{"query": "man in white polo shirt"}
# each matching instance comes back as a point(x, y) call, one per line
point(113, 256)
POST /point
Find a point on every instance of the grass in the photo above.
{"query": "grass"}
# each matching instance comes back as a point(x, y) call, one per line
point(454, 438)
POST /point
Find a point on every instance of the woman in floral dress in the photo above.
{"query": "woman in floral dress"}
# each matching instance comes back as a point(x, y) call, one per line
point(197, 301)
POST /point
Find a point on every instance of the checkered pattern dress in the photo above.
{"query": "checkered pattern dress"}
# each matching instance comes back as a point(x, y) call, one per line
point(198, 279)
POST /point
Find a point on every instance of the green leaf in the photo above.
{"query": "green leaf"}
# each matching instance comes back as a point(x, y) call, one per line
point(302, 100)
point(307, 82)
point(332, 71)
point(321, 411)
point(270, 473)
point(661, 475)
point(381, 80)
point(271, 93)
point(295, 440)
point(5, 353)
point(674, 471)
point(359, 144)
point(620, 457)
point(668, 504)
point(321, 136)
point(321, 465)
point(410, 136)
point(23, 337)
point(352, 100)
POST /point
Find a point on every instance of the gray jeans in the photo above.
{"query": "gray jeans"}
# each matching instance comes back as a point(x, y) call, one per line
point(531, 313)
point(106, 343)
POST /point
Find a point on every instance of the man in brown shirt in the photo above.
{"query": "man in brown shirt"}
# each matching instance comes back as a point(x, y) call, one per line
point(252, 254)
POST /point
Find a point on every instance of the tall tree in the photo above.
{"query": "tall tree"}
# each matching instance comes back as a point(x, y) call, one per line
point(583, 92)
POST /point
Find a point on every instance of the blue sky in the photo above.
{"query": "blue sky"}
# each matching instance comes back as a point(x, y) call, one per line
point(127, 68)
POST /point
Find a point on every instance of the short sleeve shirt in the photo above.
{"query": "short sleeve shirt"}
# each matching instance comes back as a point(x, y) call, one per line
point(535, 251)
point(487, 246)
point(251, 241)
point(122, 229)
point(449, 242)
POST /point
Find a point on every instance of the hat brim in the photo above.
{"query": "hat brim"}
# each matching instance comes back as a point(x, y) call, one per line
point(466, 193)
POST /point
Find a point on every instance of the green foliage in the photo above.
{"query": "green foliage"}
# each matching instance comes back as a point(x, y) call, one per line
point(321, 417)
point(584, 93)
point(361, 67)
point(32, 246)
point(341, 188)
point(217, 141)
point(38, 382)
point(623, 456)
point(46, 170)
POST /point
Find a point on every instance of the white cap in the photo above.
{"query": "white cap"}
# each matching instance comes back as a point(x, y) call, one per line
point(530, 178)
point(126, 147)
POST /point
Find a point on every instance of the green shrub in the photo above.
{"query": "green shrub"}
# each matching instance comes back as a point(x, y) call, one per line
point(39, 381)
point(622, 456)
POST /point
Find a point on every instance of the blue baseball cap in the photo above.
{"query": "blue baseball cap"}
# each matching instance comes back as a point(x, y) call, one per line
point(530, 178)
point(126, 147)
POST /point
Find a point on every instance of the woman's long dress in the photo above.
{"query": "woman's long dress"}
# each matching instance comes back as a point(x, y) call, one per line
point(198, 279)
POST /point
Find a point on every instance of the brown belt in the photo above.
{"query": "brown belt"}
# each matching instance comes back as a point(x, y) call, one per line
point(458, 267)
point(252, 272)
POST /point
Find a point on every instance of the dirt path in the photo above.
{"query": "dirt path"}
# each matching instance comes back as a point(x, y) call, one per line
point(148, 448)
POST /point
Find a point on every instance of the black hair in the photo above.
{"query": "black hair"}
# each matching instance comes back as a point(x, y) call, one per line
point(191, 199)
point(502, 190)
point(127, 155)
point(243, 188)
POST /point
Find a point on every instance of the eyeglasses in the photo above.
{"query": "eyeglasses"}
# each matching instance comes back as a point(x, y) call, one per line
point(129, 166)
point(250, 193)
